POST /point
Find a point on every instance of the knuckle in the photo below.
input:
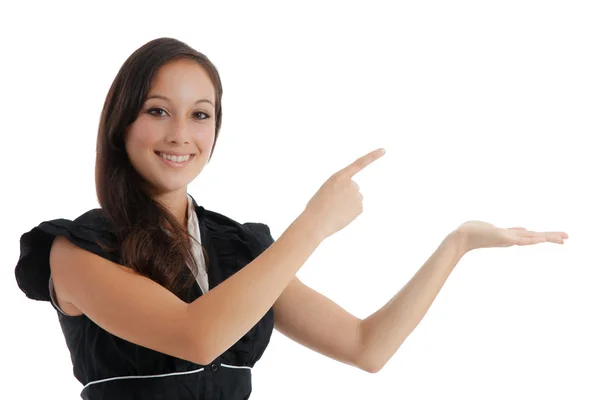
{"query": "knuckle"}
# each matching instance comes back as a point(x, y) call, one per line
point(334, 181)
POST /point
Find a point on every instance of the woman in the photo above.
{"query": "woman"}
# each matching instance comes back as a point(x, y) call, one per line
point(160, 298)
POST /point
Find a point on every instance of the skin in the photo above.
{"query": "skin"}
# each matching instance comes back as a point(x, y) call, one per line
point(139, 310)
point(178, 119)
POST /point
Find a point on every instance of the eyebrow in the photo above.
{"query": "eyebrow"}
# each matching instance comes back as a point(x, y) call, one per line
point(158, 96)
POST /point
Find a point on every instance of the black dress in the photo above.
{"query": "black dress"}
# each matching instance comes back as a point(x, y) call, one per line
point(112, 368)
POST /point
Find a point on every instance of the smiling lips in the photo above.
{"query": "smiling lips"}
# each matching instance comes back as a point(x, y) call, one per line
point(175, 160)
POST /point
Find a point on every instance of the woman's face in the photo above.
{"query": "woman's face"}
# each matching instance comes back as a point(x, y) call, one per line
point(170, 141)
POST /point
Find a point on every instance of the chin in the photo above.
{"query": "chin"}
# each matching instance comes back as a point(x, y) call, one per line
point(162, 185)
point(163, 181)
point(170, 187)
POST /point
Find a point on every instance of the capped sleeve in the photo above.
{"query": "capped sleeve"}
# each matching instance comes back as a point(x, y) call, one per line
point(90, 232)
point(262, 233)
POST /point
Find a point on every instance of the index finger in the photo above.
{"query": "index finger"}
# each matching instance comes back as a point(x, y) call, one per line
point(361, 163)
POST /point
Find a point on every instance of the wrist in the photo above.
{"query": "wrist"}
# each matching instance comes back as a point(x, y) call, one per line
point(459, 241)
point(309, 228)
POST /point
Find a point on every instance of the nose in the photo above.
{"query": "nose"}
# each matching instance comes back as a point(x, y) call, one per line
point(178, 132)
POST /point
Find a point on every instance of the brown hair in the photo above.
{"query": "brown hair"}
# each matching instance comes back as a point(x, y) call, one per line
point(150, 239)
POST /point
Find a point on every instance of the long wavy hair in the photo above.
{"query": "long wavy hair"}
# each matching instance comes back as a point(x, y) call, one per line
point(150, 240)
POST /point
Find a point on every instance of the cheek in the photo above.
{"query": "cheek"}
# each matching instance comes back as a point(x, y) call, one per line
point(142, 136)
point(139, 139)
point(205, 137)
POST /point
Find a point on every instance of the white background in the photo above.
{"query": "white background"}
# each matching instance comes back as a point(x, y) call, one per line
point(488, 110)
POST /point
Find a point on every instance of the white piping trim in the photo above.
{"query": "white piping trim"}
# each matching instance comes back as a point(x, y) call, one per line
point(142, 377)
point(234, 366)
point(52, 296)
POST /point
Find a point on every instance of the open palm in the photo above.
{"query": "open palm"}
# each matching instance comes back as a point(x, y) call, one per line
point(479, 234)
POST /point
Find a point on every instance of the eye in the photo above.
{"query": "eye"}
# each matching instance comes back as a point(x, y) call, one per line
point(157, 112)
point(201, 115)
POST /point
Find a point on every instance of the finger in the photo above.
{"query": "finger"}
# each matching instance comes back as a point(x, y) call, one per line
point(526, 241)
point(562, 235)
point(522, 230)
point(526, 233)
point(550, 237)
point(559, 234)
point(361, 163)
point(555, 239)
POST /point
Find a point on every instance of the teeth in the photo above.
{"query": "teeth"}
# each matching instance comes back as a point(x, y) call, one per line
point(178, 159)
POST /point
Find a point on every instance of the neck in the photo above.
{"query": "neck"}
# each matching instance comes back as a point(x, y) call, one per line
point(176, 203)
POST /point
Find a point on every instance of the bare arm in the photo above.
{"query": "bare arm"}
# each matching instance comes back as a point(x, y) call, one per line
point(141, 311)
point(318, 323)
point(383, 332)
point(313, 320)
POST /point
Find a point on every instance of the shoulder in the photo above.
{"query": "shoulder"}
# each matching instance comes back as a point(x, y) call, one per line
point(255, 233)
point(90, 231)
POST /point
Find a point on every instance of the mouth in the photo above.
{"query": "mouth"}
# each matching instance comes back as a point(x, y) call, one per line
point(175, 160)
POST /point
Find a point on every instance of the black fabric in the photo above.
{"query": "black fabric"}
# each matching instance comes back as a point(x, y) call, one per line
point(98, 355)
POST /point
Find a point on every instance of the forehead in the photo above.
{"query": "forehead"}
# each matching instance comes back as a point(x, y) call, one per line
point(183, 80)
